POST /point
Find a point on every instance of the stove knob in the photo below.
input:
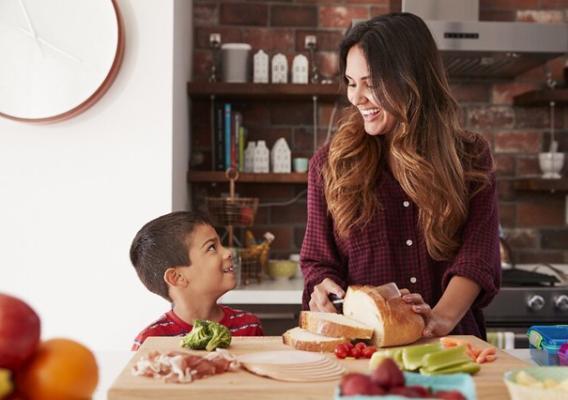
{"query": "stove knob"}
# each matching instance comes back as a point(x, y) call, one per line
point(561, 302)
point(535, 302)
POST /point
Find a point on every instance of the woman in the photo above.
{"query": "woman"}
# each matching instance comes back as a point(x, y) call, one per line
point(402, 193)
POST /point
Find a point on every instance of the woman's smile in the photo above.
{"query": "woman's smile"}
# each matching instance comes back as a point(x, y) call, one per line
point(370, 114)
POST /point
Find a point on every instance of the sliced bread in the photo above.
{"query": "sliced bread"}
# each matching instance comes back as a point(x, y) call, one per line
point(394, 321)
point(334, 325)
point(302, 339)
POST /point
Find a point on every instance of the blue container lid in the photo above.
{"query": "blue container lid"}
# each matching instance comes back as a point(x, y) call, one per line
point(549, 337)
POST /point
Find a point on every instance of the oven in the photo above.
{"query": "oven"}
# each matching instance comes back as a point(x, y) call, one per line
point(516, 308)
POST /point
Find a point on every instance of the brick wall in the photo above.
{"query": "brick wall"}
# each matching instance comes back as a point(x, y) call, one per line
point(534, 222)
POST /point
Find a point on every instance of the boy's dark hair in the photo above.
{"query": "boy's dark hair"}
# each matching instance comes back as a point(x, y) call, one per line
point(161, 244)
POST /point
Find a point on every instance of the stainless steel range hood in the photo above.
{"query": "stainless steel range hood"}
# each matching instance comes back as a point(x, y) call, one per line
point(483, 49)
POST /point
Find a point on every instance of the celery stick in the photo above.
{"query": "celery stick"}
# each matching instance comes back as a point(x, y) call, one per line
point(445, 358)
point(412, 356)
point(467, 368)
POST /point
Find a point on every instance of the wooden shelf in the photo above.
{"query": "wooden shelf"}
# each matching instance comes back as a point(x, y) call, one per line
point(541, 185)
point(263, 91)
point(219, 176)
point(542, 98)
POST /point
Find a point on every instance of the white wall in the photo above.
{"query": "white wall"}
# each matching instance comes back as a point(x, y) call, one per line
point(74, 193)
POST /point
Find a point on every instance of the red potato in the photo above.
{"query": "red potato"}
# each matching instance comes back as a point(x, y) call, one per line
point(19, 332)
point(449, 395)
point(415, 392)
point(387, 375)
point(356, 383)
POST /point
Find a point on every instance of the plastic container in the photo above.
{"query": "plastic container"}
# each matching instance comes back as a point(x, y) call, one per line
point(545, 342)
point(563, 354)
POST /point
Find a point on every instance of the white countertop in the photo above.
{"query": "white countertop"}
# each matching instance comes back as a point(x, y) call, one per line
point(280, 291)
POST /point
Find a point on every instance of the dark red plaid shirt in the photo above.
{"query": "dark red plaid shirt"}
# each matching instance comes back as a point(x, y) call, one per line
point(240, 323)
point(392, 248)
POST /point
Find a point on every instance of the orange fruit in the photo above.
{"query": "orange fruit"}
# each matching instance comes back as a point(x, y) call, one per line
point(61, 369)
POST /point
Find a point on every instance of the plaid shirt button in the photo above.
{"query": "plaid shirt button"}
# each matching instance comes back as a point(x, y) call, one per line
point(409, 242)
point(406, 203)
point(413, 279)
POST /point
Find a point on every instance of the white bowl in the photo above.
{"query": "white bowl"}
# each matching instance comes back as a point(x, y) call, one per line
point(523, 392)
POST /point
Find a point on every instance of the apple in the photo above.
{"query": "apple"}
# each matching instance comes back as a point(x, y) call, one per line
point(19, 332)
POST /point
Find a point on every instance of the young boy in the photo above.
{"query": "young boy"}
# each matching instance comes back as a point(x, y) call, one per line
point(179, 256)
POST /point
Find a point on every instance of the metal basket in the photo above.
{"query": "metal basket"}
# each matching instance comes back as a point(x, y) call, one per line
point(250, 267)
point(232, 211)
point(235, 211)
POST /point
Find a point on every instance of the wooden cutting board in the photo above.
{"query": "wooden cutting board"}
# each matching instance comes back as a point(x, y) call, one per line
point(246, 386)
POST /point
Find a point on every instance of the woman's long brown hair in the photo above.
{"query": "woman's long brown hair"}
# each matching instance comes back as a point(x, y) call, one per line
point(434, 158)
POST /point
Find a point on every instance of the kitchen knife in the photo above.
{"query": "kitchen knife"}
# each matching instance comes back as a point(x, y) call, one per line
point(387, 291)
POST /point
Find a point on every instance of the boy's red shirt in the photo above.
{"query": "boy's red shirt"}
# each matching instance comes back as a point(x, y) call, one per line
point(240, 323)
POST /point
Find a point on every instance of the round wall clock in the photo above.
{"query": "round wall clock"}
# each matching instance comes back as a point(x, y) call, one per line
point(57, 57)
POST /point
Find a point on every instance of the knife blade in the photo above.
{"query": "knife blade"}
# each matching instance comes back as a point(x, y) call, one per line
point(387, 291)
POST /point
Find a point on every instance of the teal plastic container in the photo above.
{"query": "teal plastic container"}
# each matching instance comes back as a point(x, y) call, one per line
point(460, 382)
point(545, 342)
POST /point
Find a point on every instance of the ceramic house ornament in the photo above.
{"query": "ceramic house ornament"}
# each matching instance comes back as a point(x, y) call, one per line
point(261, 156)
point(260, 69)
point(249, 157)
point(279, 69)
point(300, 69)
point(280, 157)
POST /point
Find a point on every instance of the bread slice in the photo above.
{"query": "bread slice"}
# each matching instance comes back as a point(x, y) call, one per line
point(393, 321)
point(334, 325)
point(302, 339)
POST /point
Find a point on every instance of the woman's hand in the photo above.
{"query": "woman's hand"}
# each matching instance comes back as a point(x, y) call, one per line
point(319, 300)
point(436, 324)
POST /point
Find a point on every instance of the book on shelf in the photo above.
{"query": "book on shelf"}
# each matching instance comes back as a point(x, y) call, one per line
point(229, 138)
point(228, 134)
point(237, 124)
point(218, 145)
point(242, 138)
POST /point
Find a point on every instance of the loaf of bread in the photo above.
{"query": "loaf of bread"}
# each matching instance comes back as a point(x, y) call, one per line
point(302, 339)
point(334, 325)
point(393, 321)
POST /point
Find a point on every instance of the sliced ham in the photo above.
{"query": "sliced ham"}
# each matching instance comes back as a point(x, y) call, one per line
point(180, 367)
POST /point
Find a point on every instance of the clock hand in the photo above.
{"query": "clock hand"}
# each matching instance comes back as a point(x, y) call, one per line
point(30, 25)
point(44, 42)
point(57, 49)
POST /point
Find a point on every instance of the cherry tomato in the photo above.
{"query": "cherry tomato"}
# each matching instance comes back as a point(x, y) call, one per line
point(340, 353)
point(349, 345)
point(368, 351)
point(355, 352)
point(343, 347)
point(361, 346)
